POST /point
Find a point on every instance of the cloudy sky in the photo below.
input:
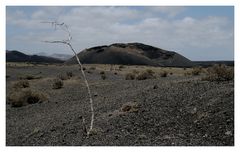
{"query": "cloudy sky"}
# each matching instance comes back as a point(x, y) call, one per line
point(198, 33)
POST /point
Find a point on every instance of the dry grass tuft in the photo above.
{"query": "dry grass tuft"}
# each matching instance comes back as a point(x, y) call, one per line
point(219, 73)
point(121, 67)
point(164, 74)
point(134, 71)
point(69, 74)
point(25, 96)
point(92, 68)
point(196, 71)
point(21, 84)
point(103, 76)
point(187, 74)
point(63, 76)
point(66, 75)
point(150, 71)
point(134, 74)
point(95, 131)
point(130, 76)
point(130, 107)
point(102, 72)
point(147, 74)
point(57, 84)
point(29, 77)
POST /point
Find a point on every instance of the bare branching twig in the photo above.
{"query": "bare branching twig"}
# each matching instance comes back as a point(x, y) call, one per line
point(67, 42)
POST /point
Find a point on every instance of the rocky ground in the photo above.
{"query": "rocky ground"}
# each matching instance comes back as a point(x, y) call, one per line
point(177, 110)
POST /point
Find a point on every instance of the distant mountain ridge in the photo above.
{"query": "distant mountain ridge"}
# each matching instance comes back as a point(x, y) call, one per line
point(131, 54)
point(117, 53)
point(63, 57)
point(17, 56)
point(211, 63)
point(60, 56)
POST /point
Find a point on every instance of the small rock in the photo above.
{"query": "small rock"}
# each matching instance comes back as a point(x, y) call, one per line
point(155, 86)
point(95, 131)
point(166, 137)
point(205, 136)
point(194, 110)
point(36, 130)
point(142, 137)
point(95, 94)
point(228, 133)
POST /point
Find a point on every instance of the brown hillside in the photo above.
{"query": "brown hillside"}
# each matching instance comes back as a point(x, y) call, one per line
point(131, 54)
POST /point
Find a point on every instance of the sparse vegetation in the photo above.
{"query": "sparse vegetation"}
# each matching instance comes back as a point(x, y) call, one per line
point(173, 98)
point(130, 76)
point(147, 74)
point(111, 68)
point(63, 76)
point(142, 76)
point(21, 84)
point(57, 84)
point(219, 73)
point(164, 74)
point(69, 74)
point(130, 107)
point(196, 71)
point(134, 71)
point(29, 77)
point(102, 72)
point(150, 71)
point(103, 76)
point(95, 131)
point(25, 96)
point(121, 67)
point(92, 68)
point(187, 74)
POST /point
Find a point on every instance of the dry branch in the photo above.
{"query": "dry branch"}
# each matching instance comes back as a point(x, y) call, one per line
point(67, 42)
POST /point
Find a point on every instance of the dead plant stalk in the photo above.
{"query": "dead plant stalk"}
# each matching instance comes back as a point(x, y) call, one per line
point(67, 42)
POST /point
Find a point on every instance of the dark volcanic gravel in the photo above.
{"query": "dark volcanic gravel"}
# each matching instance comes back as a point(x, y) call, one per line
point(162, 112)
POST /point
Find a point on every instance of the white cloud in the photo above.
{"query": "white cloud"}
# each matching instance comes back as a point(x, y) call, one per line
point(92, 26)
point(170, 11)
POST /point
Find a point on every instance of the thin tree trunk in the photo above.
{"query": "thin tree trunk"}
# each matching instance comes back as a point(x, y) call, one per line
point(87, 85)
